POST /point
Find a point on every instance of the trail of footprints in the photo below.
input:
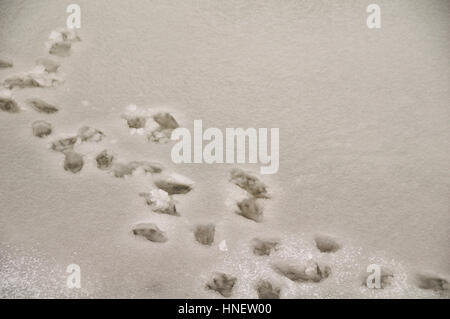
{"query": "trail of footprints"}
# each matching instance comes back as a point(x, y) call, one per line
point(158, 128)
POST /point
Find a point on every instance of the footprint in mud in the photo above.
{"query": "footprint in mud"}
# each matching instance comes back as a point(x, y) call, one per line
point(49, 65)
point(42, 106)
point(326, 244)
point(160, 202)
point(311, 272)
point(386, 278)
point(104, 160)
point(7, 103)
point(6, 63)
point(249, 182)
point(41, 128)
point(222, 283)
point(432, 282)
point(150, 232)
point(250, 209)
point(263, 247)
point(204, 234)
point(89, 134)
point(174, 183)
point(60, 42)
point(64, 144)
point(266, 290)
point(73, 162)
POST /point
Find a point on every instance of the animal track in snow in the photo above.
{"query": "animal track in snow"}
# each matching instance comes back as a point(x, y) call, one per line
point(73, 162)
point(160, 202)
point(204, 234)
point(249, 182)
point(89, 134)
point(263, 247)
point(51, 66)
point(7, 103)
point(64, 144)
point(150, 232)
point(60, 42)
point(42, 106)
point(266, 290)
point(41, 128)
point(38, 77)
point(250, 209)
point(326, 244)
point(6, 63)
point(222, 283)
point(312, 272)
point(174, 183)
point(104, 160)
point(432, 282)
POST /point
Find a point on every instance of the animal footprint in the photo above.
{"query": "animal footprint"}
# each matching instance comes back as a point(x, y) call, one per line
point(42, 106)
point(41, 128)
point(60, 42)
point(7, 103)
point(263, 247)
point(204, 234)
point(104, 160)
point(249, 182)
point(326, 244)
point(89, 134)
point(160, 202)
point(174, 183)
point(312, 272)
point(431, 282)
point(222, 283)
point(64, 144)
point(250, 209)
point(150, 232)
point(6, 63)
point(49, 65)
point(73, 162)
point(266, 290)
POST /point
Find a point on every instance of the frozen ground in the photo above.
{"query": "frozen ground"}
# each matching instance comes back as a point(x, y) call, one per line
point(364, 147)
